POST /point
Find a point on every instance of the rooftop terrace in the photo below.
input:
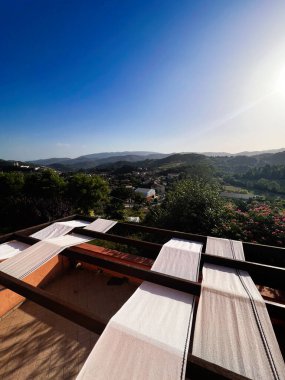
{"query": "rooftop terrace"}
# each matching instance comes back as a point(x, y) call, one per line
point(39, 344)
point(87, 285)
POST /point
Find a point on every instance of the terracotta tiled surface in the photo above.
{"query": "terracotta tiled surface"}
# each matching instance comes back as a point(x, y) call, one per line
point(37, 344)
point(138, 261)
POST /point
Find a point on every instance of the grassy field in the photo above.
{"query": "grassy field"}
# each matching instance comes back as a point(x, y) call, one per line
point(235, 189)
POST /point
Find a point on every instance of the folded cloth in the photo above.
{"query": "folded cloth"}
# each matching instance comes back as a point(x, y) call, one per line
point(11, 249)
point(36, 255)
point(101, 225)
point(148, 337)
point(54, 239)
point(233, 328)
point(58, 229)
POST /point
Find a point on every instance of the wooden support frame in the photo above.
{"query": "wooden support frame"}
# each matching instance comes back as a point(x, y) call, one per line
point(261, 274)
point(158, 278)
point(197, 368)
point(53, 303)
point(275, 310)
point(259, 253)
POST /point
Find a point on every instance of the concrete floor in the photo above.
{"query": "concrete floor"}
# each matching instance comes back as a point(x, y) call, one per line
point(38, 344)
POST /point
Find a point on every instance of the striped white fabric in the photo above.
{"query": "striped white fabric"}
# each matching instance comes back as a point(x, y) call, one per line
point(54, 240)
point(11, 249)
point(101, 225)
point(38, 254)
point(58, 229)
point(147, 339)
point(233, 328)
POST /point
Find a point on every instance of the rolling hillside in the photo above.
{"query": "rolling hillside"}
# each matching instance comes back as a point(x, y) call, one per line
point(237, 163)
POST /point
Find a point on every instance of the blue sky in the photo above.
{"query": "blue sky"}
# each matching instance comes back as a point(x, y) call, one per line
point(79, 77)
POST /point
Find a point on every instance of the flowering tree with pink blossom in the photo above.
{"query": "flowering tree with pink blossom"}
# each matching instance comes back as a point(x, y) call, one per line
point(262, 223)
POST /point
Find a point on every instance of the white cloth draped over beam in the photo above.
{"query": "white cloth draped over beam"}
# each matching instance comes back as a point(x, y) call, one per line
point(11, 248)
point(101, 225)
point(58, 229)
point(33, 257)
point(148, 338)
point(233, 328)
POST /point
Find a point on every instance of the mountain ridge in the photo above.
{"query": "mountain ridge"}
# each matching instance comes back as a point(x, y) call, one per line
point(103, 155)
point(147, 158)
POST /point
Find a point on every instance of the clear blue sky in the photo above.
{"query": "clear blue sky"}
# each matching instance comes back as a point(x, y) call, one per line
point(79, 77)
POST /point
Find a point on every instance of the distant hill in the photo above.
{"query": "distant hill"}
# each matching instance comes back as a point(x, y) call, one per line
point(245, 153)
point(50, 161)
point(93, 160)
point(238, 162)
point(217, 154)
point(82, 163)
point(104, 155)
point(255, 153)
point(273, 159)
point(226, 164)
point(179, 159)
point(98, 156)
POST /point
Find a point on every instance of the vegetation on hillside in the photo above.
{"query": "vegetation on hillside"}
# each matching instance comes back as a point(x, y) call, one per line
point(192, 201)
point(196, 206)
point(191, 206)
point(33, 198)
point(270, 178)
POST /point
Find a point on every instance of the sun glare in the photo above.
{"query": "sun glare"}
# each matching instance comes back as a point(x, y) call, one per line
point(280, 83)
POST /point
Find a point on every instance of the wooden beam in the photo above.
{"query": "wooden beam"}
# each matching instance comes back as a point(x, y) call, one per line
point(262, 274)
point(253, 252)
point(198, 368)
point(140, 273)
point(264, 254)
point(149, 246)
point(275, 310)
point(53, 303)
point(258, 253)
point(163, 232)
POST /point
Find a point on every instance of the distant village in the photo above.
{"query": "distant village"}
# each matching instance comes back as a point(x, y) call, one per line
point(144, 186)
point(137, 189)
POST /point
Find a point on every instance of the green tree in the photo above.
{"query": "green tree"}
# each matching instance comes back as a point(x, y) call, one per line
point(22, 211)
point(87, 192)
point(200, 171)
point(11, 184)
point(115, 209)
point(47, 184)
point(192, 206)
point(122, 193)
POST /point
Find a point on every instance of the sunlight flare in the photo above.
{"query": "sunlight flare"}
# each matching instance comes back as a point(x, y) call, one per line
point(280, 83)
